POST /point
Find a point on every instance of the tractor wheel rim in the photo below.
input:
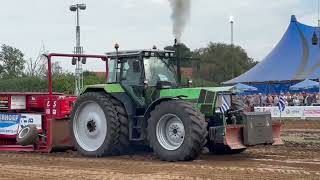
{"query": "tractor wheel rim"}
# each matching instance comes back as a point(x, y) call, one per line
point(24, 132)
point(90, 126)
point(170, 132)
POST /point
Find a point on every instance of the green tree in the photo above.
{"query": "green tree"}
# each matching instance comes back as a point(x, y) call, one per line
point(221, 62)
point(11, 62)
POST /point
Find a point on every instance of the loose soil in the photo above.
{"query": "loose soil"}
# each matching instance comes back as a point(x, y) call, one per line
point(298, 158)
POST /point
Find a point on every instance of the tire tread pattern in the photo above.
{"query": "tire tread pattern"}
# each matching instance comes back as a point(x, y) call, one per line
point(198, 128)
point(112, 140)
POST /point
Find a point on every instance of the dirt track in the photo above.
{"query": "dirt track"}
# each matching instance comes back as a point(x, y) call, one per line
point(295, 160)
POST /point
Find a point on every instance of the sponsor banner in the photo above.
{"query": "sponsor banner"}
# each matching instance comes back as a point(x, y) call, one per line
point(4, 102)
point(9, 123)
point(312, 111)
point(18, 102)
point(292, 111)
point(27, 119)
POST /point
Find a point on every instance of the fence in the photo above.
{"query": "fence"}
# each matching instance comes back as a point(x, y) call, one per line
point(303, 112)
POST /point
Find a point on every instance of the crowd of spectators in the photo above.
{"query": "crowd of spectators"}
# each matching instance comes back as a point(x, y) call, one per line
point(296, 99)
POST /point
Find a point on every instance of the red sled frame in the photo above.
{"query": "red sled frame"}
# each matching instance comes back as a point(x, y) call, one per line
point(55, 126)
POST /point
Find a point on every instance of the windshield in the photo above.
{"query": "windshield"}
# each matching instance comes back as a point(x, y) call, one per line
point(157, 69)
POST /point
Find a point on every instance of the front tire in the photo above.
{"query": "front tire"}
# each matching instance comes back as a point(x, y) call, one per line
point(176, 131)
point(95, 125)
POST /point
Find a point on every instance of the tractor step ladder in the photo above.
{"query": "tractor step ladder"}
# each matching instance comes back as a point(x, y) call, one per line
point(136, 132)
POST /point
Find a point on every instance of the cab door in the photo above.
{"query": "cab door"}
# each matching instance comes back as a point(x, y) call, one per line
point(132, 80)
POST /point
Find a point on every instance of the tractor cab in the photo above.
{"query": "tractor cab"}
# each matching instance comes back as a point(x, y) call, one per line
point(142, 73)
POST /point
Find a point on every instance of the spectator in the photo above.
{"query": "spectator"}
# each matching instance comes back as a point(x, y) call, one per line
point(289, 99)
point(313, 99)
point(301, 99)
point(251, 99)
point(257, 100)
point(270, 100)
point(296, 101)
point(275, 101)
point(264, 99)
point(308, 100)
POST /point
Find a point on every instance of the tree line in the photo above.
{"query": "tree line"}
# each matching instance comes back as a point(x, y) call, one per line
point(215, 63)
point(20, 75)
point(211, 65)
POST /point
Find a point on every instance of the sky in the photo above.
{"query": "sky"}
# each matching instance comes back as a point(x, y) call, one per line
point(138, 24)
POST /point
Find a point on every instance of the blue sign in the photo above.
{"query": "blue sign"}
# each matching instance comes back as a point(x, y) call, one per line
point(9, 123)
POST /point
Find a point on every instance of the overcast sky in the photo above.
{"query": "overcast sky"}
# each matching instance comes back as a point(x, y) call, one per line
point(137, 24)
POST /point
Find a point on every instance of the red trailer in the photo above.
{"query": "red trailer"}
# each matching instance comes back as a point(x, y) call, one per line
point(45, 113)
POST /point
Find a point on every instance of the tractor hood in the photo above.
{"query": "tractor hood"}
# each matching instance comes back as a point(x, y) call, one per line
point(193, 93)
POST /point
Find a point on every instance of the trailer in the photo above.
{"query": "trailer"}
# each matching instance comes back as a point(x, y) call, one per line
point(37, 121)
point(21, 109)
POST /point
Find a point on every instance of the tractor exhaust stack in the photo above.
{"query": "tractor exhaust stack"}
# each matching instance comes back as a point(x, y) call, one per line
point(177, 46)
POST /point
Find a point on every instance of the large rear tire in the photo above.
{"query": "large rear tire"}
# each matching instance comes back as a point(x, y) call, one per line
point(176, 131)
point(95, 125)
point(123, 143)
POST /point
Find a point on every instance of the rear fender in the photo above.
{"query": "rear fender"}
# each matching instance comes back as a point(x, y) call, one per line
point(116, 91)
point(155, 103)
point(109, 88)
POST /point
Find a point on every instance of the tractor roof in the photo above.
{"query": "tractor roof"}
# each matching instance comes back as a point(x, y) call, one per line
point(131, 53)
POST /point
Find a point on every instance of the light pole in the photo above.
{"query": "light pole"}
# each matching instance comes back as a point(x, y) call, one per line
point(78, 49)
point(231, 20)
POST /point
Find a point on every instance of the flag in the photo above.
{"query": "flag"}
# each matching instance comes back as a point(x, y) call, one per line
point(225, 106)
point(281, 103)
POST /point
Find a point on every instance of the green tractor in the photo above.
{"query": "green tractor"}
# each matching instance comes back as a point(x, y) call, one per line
point(143, 104)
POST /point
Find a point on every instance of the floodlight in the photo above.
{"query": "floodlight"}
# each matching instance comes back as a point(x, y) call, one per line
point(74, 61)
point(82, 6)
point(73, 8)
